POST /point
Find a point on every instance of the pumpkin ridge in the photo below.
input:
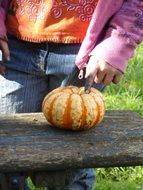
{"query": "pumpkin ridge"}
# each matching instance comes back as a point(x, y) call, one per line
point(50, 110)
point(98, 109)
point(68, 89)
point(51, 93)
point(48, 96)
point(67, 121)
point(84, 113)
point(72, 89)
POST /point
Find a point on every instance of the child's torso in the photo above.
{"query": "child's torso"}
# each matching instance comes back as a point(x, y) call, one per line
point(64, 21)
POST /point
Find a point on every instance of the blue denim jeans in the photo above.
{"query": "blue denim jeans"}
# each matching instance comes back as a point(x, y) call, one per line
point(34, 70)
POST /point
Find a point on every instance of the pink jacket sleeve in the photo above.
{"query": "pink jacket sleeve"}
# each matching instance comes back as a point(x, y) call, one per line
point(124, 33)
point(3, 8)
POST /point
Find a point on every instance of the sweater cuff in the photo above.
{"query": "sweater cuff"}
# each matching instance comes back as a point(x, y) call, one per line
point(115, 50)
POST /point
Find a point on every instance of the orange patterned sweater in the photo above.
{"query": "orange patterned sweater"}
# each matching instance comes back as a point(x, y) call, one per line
point(61, 21)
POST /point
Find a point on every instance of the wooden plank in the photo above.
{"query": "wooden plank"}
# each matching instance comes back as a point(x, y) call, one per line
point(27, 143)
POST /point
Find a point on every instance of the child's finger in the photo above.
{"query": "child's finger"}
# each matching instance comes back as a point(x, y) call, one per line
point(100, 76)
point(92, 67)
point(117, 78)
point(108, 79)
point(5, 49)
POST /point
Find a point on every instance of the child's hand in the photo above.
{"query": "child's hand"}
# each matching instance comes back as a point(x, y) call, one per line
point(102, 72)
point(6, 54)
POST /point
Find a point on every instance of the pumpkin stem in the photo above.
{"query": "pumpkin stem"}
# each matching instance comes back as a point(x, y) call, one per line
point(81, 91)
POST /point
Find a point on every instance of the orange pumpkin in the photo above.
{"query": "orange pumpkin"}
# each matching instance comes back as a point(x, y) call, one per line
point(71, 108)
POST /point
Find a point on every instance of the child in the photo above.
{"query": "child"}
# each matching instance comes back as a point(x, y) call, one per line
point(46, 39)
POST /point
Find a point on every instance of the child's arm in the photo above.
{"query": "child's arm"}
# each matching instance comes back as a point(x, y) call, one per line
point(124, 33)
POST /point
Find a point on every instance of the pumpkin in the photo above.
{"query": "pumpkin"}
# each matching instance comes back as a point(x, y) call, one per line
point(71, 108)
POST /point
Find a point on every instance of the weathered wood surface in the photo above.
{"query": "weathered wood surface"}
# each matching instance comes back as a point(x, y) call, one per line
point(27, 143)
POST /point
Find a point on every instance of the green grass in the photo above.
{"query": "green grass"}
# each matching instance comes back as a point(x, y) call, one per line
point(126, 178)
point(127, 95)
point(110, 185)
